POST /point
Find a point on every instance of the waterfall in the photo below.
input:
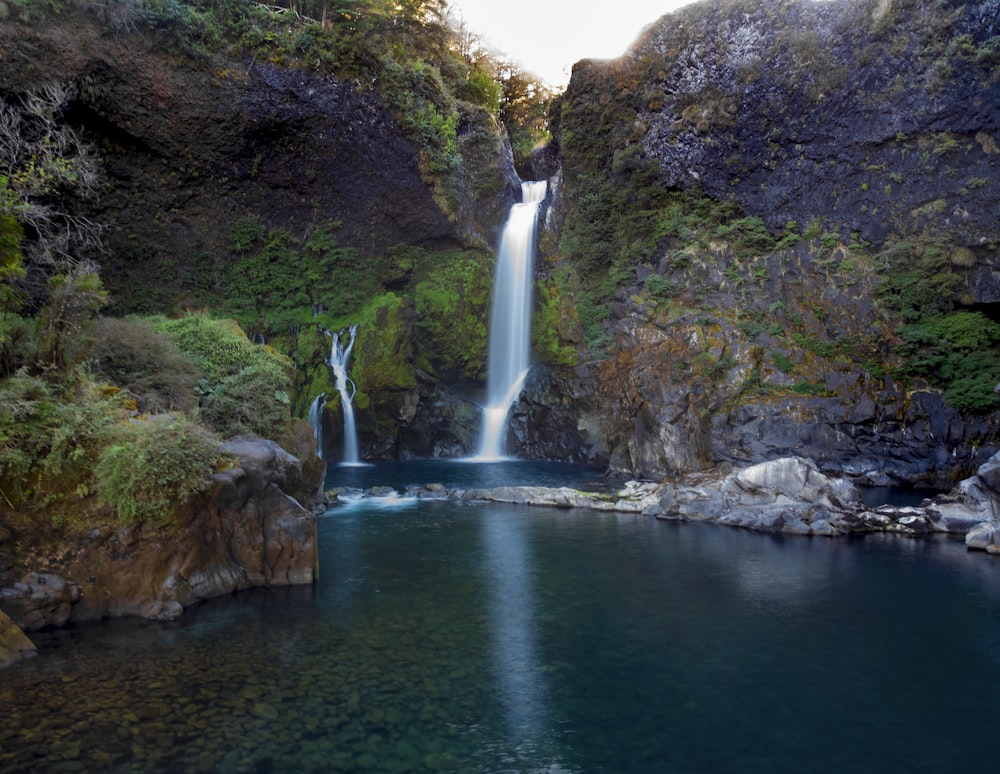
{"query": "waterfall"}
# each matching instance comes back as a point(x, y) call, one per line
point(316, 421)
point(339, 357)
point(510, 319)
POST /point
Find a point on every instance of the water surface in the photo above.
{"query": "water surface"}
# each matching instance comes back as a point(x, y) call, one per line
point(495, 638)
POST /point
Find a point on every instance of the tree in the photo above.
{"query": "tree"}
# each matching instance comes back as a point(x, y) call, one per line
point(43, 165)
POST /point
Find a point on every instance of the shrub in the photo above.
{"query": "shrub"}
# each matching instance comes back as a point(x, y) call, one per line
point(246, 386)
point(50, 435)
point(958, 352)
point(133, 356)
point(155, 465)
point(452, 305)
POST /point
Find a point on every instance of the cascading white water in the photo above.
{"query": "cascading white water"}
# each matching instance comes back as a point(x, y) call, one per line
point(510, 319)
point(340, 355)
point(316, 421)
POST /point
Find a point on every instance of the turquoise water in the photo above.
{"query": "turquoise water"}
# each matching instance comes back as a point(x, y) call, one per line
point(449, 637)
point(464, 474)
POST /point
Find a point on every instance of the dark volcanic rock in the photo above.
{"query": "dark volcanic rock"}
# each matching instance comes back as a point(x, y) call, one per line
point(870, 124)
point(14, 644)
point(191, 147)
point(830, 110)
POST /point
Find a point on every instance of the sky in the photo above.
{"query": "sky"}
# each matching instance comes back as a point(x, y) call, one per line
point(547, 36)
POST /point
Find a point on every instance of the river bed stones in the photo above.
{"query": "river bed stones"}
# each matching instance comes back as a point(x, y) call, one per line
point(14, 643)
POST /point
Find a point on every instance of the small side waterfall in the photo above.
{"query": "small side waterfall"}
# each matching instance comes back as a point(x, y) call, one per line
point(316, 421)
point(340, 355)
point(510, 319)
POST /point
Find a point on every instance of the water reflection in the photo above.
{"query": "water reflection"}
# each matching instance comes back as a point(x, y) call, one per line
point(512, 614)
point(464, 637)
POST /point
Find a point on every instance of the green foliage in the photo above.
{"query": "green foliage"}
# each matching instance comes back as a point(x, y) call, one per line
point(554, 326)
point(482, 89)
point(154, 465)
point(918, 280)
point(129, 353)
point(11, 268)
point(748, 235)
point(524, 112)
point(383, 354)
point(276, 280)
point(813, 389)
point(426, 111)
point(592, 313)
point(452, 306)
point(959, 351)
point(246, 386)
point(64, 322)
point(244, 234)
point(782, 362)
point(660, 288)
point(51, 434)
point(587, 239)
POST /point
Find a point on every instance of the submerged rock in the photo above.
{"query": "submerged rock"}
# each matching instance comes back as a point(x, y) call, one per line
point(14, 643)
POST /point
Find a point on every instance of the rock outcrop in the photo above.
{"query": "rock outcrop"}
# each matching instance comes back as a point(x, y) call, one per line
point(871, 120)
point(788, 495)
point(246, 531)
point(872, 126)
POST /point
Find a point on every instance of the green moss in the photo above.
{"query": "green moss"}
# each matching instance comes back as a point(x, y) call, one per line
point(959, 351)
point(553, 327)
point(152, 466)
point(452, 307)
point(383, 351)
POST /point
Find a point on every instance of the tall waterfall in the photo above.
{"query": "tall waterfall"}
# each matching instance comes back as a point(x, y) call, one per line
point(340, 354)
point(510, 319)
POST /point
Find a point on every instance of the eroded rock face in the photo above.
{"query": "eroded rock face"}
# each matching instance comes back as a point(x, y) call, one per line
point(215, 140)
point(246, 531)
point(802, 113)
point(863, 118)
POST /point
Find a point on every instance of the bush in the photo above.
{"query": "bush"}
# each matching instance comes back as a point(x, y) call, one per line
point(52, 436)
point(452, 305)
point(958, 352)
point(155, 465)
point(246, 386)
point(133, 356)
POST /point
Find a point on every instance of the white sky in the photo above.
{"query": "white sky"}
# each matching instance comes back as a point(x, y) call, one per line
point(546, 37)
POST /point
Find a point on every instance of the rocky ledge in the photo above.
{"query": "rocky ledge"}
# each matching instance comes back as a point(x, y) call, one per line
point(787, 495)
point(247, 531)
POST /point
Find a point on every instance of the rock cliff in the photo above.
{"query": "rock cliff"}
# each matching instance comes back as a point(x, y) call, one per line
point(189, 146)
point(761, 214)
point(784, 197)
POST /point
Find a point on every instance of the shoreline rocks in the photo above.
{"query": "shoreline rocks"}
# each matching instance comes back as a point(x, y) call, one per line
point(788, 495)
point(247, 531)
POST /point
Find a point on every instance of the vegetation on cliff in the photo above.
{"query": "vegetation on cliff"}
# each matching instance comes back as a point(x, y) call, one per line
point(731, 186)
point(742, 141)
point(102, 408)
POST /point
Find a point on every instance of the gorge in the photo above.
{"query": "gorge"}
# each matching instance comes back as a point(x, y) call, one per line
point(770, 232)
point(758, 269)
